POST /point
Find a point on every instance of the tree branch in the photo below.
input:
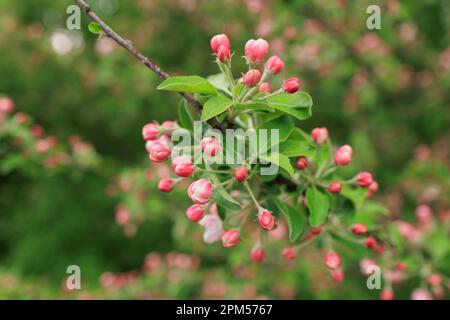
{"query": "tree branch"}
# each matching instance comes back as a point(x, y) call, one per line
point(128, 45)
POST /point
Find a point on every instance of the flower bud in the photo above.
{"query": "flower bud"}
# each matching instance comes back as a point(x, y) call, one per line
point(223, 53)
point(289, 253)
point(343, 155)
point(265, 87)
point(195, 212)
point(333, 260)
point(251, 78)
point(165, 185)
point(220, 40)
point(371, 242)
point(424, 215)
point(386, 294)
point(364, 179)
point(338, 275)
point(159, 152)
point(200, 191)
point(365, 264)
point(241, 174)
point(150, 131)
point(359, 229)
point(291, 85)
point(6, 105)
point(373, 187)
point(168, 126)
point(256, 50)
point(231, 238)
point(266, 220)
point(335, 187)
point(257, 254)
point(315, 230)
point(421, 294)
point(183, 166)
point(275, 65)
point(319, 135)
point(434, 279)
point(210, 146)
point(400, 265)
point(301, 163)
point(213, 227)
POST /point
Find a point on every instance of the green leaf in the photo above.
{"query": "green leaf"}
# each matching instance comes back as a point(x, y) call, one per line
point(298, 105)
point(295, 218)
point(296, 148)
point(11, 163)
point(222, 212)
point(257, 105)
point(279, 160)
point(356, 195)
point(95, 28)
point(299, 134)
point(318, 204)
point(219, 197)
point(222, 197)
point(192, 84)
point(284, 125)
point(215, 106)
point(219, 81)
point(184, 117)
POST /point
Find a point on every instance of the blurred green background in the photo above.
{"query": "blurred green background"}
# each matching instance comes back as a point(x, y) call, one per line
point(385, 92)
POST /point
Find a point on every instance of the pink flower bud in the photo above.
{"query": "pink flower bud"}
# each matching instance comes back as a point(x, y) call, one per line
point(333, 260)
point(200, 191)
point(251, 78)
point(265, 87)
point(434, 279)
point(386, 294)
point(165, 185)
point(256, 50)
point(6, 105)
point(421, 294)
point(231, 238)
point(266, 220)
point(159, 152)
point(364, 179)
point(365, 264)
point(241, 174)
point(220, 40)
point(223, 53)
point(150, 131)
point(301, 163)
point(289, 253)
point(275, 65)
point(291, 85)
point(315, 230)
point(257, 255)
point(371, 242)
point(359, 229)
point(122, 215)
point(424, 215)
point(373, 187)
point(168, 126)
point(319, 135)
point(210, 146)
point(195, 212)
point(37, 131)
point(334, 187)
point(183, 166)
point(338, 275)
point(343, 155)
point(400, 265)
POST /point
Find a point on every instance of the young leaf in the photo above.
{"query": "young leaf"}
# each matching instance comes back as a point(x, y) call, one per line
point(215, 106)
point(219, 197)
point(192, 84)
point(219, 81)
point(295, 218)
point(296, 148)
point(318, 204)
point(95, 28)
point(258, 105)
point(356, 195)
point(298, 104)
point(279, 160)
point(184, 117)
point(222, 196)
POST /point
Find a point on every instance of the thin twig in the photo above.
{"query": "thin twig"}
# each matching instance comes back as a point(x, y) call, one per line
point(128, 45)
